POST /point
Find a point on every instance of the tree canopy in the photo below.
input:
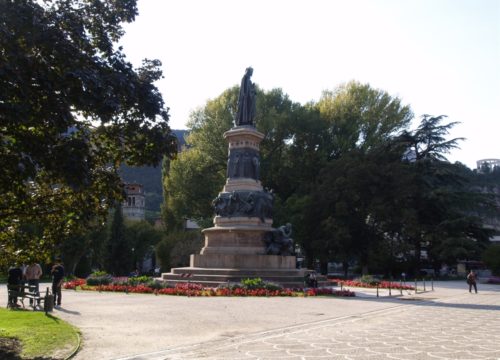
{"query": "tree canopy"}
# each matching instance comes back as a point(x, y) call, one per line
point(72, 109)
point(355, 181)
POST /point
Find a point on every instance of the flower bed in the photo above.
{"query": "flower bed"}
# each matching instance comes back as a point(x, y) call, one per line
point(381, 284)
point(73, 284)
point(188, 289)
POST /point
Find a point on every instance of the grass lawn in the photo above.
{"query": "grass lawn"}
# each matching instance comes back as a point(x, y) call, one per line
point(41, 335)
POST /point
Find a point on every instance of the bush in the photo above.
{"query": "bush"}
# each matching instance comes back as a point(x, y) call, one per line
point(136, 280)
point(252, 284)
point(369, 279)
point(256, 283)
point(157, 284)
point(99, 278)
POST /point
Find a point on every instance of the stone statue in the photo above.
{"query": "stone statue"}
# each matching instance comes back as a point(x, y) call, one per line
point(246, 100)
point(256, 168)
point(278, 241)
point(244, 203)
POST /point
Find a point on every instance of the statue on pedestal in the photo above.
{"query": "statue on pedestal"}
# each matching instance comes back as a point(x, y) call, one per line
point(246, 101)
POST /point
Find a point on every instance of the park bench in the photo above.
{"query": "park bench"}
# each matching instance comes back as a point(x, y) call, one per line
point(22, 292)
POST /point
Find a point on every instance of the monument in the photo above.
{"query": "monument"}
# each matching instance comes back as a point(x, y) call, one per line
point(242, 243)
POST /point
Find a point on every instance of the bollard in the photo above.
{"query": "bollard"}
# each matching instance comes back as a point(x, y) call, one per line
point(416, 285)
point(432, 284)
point(341, 286)
point(390, 294)
point(48, 303)
point(377, 289)
point(424, 283)
point(400, 287)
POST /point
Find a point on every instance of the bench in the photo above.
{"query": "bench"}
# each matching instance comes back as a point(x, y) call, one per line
point(22, 292)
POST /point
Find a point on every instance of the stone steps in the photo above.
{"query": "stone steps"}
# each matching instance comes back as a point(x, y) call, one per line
point(241, 272)
point(215, 277)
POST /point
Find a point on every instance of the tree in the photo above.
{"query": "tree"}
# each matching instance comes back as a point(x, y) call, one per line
point(119, 255)
point(141, 237)
point(72, 109)
point(349, 125)
point(175, 248)
point(439, 206)
point(359, 117)
point(88, 245)
point(491, 258)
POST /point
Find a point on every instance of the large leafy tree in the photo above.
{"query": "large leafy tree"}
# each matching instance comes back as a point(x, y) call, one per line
point(72, 109)
point(345, 128)
point(441, 206)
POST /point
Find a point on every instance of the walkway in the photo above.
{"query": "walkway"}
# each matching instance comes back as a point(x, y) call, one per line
point(464, 327)
point(448, 323)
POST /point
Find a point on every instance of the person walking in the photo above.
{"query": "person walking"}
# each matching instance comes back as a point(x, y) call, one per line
point(57, 280)
point(471, 280)
point(32, 274)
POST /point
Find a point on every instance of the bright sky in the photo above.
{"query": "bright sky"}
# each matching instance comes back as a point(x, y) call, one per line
point(438, 56)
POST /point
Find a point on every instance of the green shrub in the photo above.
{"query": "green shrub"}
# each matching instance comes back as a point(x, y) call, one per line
point(99, 278)
point(258, 283)
point(98, 273)
point(272, 286)
point(369, 279)
point(136, 280)
point(255, 283)
point(157, 284)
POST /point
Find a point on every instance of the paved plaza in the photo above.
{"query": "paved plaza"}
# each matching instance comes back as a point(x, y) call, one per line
point(448, 323)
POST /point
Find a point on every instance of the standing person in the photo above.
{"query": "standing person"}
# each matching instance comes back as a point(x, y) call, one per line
point(32, 274)
point(471, 280)
point(14, 280)
point(57, 280)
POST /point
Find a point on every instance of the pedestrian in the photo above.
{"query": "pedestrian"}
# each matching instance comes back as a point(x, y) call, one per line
point(57, 280)
point(471, 280)
point(14, 281)
point(32, 274)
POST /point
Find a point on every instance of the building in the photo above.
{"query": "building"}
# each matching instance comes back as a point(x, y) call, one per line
point(489, 164)
point(134, 206)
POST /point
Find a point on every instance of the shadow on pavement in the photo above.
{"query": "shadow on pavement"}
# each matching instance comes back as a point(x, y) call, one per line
point(61, 309)
point(427, 302)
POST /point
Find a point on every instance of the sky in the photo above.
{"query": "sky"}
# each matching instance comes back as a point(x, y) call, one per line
point(438, 56)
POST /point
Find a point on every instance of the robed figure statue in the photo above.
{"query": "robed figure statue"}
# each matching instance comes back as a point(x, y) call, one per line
point(246, 100)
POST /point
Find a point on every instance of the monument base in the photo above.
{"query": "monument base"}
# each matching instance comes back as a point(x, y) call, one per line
point(217, 269)
point(212, 277)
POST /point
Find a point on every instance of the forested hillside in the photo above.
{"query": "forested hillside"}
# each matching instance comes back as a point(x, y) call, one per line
point(150, 178)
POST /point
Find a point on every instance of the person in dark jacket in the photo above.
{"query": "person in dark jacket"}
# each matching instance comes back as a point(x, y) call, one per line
point(14, 280)
point(57, 281)
point(472, 281)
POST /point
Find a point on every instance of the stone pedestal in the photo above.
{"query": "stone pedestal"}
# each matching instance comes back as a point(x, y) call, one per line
point(234, 247)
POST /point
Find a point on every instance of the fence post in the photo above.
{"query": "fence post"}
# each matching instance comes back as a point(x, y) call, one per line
point(377, 289)
point(416, 285)
point(432, 284)
point(390, 293)
point(423, 279)
point(401, 287)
